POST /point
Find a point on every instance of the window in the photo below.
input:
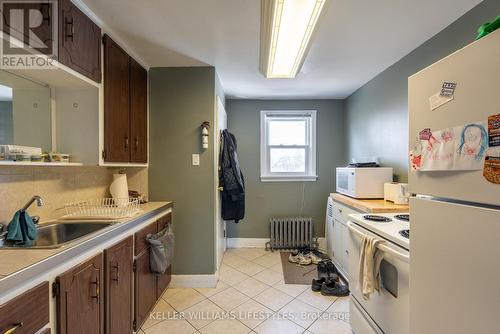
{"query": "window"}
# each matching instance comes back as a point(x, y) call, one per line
point(288, 145)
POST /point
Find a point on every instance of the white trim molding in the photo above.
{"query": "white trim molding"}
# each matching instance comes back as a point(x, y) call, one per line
point(247, 242)
point(194, 281)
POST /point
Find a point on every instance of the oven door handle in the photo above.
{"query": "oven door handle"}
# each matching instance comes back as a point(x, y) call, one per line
point(401, 256)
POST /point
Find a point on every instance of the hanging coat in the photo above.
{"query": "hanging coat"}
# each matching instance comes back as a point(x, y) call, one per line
point(231, 179)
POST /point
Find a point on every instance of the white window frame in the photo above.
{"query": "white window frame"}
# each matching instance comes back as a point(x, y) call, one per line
point(265, 148)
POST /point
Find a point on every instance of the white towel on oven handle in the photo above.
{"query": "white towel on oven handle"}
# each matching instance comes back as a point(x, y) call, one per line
point(369, 266)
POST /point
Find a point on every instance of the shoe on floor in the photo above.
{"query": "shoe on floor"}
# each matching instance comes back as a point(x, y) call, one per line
point(320, 254)
point(333, 288)
point(299, 259)
point(314, 258)
point(326, 268)
point(317, 284)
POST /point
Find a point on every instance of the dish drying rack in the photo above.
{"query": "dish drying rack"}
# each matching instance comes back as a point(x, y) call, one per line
point(102, 208)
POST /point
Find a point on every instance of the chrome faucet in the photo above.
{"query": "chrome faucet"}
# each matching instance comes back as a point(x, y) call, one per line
point(39, 203)
point(38, 199)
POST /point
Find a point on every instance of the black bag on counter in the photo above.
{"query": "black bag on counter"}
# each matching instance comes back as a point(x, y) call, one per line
point(162, 250)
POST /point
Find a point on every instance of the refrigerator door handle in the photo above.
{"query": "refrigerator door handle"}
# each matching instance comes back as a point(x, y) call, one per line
point(400, 256)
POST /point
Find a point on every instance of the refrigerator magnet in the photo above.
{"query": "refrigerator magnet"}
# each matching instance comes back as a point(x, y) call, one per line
point(448, 89)
point(491, 170)
point(494, 130)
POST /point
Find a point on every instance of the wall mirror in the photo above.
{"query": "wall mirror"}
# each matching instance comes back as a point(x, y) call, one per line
point(25, 112)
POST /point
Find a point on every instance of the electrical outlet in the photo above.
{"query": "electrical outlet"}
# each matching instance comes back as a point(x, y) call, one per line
point(196, 159)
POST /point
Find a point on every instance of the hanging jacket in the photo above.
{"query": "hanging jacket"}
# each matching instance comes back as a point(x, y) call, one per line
point(231, 179)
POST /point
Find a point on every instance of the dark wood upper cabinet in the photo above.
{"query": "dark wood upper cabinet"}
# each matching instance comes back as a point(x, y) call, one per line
point(125, 106)
point(79, 41)
point(80, 303)
point(138, 113)
point(116, 102)
point(118, 277)
point(31, 309)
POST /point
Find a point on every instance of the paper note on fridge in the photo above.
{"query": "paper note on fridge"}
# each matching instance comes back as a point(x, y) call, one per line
point(458, 148)
point(437, 100)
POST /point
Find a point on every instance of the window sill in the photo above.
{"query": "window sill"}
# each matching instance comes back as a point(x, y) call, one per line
point(288, 178)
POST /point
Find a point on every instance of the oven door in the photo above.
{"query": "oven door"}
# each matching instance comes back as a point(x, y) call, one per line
point(345, 182)
point(390, 308)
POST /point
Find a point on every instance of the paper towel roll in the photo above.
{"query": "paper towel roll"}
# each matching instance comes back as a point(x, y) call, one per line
point(119, 189)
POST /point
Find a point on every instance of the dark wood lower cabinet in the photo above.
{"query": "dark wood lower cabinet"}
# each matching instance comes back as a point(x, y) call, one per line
point(162, 282)
point(118, 276)
point(148, 286)
point(80, 304)
point(145, 288)
point(26, 313)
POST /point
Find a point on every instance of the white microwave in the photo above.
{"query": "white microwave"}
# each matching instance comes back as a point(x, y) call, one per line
point(363, 182)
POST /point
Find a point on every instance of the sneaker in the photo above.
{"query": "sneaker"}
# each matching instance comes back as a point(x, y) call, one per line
point(317, 284)
point(326, 268)
point(314, 258)
point(333, 288)
point(299, 259)
point(322, 255)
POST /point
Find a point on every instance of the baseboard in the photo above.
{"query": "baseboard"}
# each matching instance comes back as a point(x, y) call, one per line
point(322, 244)
point(246, 242)
point(194, 281)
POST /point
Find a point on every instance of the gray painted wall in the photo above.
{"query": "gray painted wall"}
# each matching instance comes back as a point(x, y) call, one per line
point(377, 113)
point(180, 100)
point(264, 200)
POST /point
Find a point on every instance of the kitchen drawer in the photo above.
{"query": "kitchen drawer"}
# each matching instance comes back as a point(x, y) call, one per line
point(29, 311)
point(140, 242)
point(164, 221)
point(341, 212)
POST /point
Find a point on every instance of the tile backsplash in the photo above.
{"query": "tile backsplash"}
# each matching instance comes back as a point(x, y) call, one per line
point(59, 185)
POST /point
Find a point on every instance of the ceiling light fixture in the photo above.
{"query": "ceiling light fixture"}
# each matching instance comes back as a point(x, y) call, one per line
point(285, 35)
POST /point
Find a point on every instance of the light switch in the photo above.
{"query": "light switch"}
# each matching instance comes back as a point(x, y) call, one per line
point(196, 159)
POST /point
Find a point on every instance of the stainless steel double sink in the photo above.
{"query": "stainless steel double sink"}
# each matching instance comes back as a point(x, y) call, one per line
point(59, 233)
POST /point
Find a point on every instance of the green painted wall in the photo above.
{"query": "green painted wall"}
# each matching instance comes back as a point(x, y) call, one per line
point(264, 200)
point(180, 100)
point(6, 126)
point(377, 113)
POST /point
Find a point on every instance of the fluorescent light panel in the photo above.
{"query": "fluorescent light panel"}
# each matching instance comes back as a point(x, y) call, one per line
point(292, 26)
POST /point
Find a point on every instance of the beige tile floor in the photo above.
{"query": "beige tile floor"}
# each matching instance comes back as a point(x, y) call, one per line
point(250, 297)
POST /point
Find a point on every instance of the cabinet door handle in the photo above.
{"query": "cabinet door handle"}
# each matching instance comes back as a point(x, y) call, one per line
point(14, 328)
point(126, 142)
point(117, 273)
point(69, 22)
point(96, 284)
point(136, 142)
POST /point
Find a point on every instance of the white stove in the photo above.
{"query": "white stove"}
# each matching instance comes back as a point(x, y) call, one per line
point(393, 227)
point(388, 311)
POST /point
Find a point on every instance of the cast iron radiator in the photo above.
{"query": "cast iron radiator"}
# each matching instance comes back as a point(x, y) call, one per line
point(291, 233)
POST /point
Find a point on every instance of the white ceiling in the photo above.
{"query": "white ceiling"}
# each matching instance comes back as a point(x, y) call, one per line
point(356, 40)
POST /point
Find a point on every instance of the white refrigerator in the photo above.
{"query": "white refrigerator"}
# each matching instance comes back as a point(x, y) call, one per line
point(454, 209)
